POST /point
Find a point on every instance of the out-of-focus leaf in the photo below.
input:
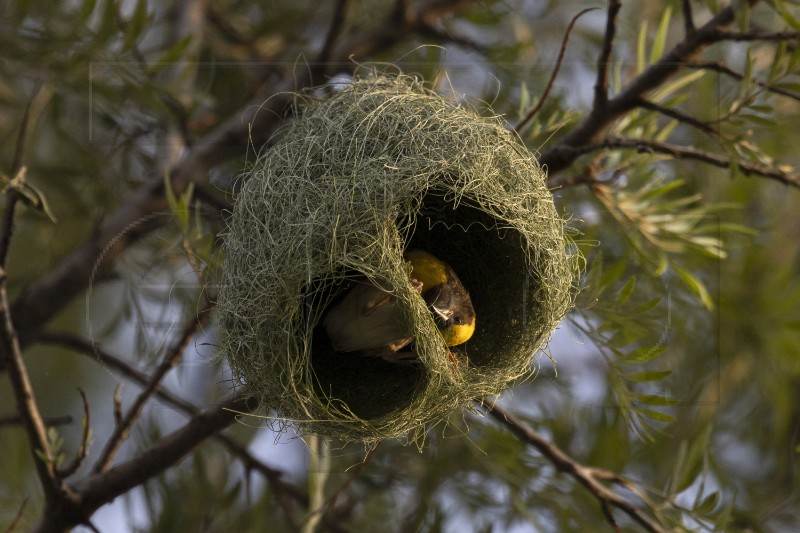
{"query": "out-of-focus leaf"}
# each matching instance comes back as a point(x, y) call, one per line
point(696, 286)
point(642, 355)
point(136, 24)
point(708, 504)
point(626, 291)
point(660, 39)
point(641, 48)
point(655, 415)
point(174, 53)
point(650, 375)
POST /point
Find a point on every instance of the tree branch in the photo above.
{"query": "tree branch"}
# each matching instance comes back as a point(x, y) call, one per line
point(10, 350)
point(685, 152)
point(532, 113)
point(16, 420)
point(589, 477)
point(337, 22)
point(171, 359)
point(604, 61)
point(688, 18)
point(759, 36)
point(83, 449)
point(101, 488)
point(252, 126)
point(284, 492)
point(562, 154)
point(677, 115)
point(717, 66)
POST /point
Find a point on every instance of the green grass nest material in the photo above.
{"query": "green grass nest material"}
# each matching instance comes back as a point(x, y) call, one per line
point(381, 165)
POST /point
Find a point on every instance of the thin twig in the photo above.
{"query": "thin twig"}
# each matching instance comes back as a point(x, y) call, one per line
point(604, 61)
point(677, 115)
point(49, 421)
point(587, 476)
point(337, 23)
point(18, 517)
point(685, 152)
point(564, 41)
point(717, 66)
point(16, 166)
point(103, 487)
point(759, 36)
point(10, 351)
point(688, 18)
point(170, 360)
point(562, 154)
point(83, 449)
point(281, 488)
point(50, 293)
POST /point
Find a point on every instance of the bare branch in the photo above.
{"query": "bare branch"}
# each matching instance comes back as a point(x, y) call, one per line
point(337, 22)
point(564, 41)
point(685, 152)
point(18, 518)
point(171, 359)
point(758, 36)
point(10, 350)
point(688, 18)
point(604, 61)
point(83, 449)
point(562, 154)
point(717, 66)
point(252, 126)
point(589, 477)
point(103, 487)
point(677, 115)
point(284, 492)
point(49, 421)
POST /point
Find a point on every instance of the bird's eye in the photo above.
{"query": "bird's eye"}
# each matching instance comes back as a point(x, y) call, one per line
point(458, 320)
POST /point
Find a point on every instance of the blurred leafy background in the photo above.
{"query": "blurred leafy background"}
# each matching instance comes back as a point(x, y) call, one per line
point(679, 367)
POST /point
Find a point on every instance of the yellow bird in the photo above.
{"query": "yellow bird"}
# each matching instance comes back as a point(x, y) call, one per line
point(369, 321)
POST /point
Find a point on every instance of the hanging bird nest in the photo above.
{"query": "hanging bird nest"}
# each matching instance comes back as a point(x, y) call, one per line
point(379, 166)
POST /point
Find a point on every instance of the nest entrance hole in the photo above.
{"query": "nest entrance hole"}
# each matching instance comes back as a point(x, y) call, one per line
point(490, 262)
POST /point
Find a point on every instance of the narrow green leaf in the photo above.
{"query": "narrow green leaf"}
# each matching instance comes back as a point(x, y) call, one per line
point(626, 291)
point(655, 415)
point(651, 399)
point(135, 26)
point(678, 469)
point(747, 75)
point(695, 285)
point(787, 16)
point(613, 273)
point(647, 306)
point(743, 15)
point(694, 460)
point(661, 36)
point(708, 504)
point(643, 355)
point(87, 8)
point(677, 84)
point(650, 375)
point(172, 200)
point(173, 54)
point(524, 100)
point(757, 119)
point(641, 48)
point(777, 59)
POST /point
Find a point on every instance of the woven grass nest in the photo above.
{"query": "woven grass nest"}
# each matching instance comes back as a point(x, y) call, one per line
point(379, 166)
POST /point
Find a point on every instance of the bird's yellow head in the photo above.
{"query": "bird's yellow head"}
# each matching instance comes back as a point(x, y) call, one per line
point(445, 295)
point(456, 334)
